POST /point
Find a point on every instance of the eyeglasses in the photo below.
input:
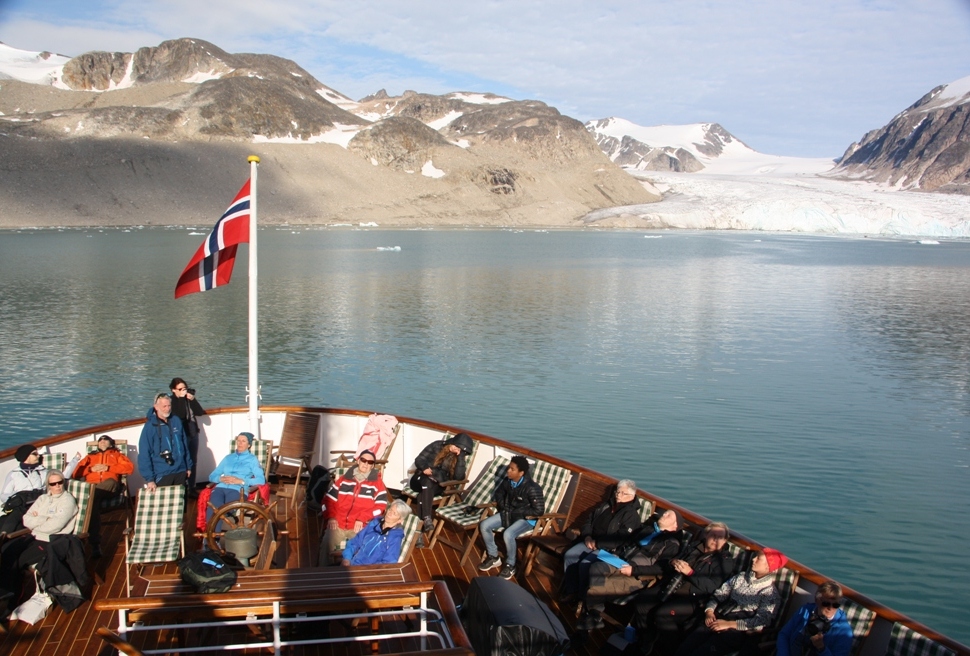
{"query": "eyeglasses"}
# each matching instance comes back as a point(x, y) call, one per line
point(53, 483)
point(830, 604)
point(366, 462)
point(35, 453)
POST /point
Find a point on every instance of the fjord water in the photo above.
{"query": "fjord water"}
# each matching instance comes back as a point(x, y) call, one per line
point(811, 392)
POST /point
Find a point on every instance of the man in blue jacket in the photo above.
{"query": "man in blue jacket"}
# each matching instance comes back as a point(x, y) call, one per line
point(380, 541)
point(163, 455)
point(819, 629)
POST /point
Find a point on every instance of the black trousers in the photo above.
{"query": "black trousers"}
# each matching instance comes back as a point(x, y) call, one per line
point(427, 488)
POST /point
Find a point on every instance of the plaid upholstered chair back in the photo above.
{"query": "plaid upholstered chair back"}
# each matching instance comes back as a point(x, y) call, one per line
point(83, 494)
point(158, 525)
point(903, 641)
point(553, 480)
point(861, 620)
point(54, 461)
point(259, 448)
point(411, 526)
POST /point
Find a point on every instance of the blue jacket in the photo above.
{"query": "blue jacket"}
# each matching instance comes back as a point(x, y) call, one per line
point(373, 546)
point(838, 639)
point(241, 465)
point(157, 436)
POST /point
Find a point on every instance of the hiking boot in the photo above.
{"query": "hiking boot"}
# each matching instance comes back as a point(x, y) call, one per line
point(590, 621)
point(507, 572)
point(490, 562)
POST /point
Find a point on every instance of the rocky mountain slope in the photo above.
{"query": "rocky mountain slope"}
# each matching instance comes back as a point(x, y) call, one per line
point(126, 138)
point(925, 147)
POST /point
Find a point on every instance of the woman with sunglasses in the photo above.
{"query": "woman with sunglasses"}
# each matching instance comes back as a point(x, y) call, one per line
point(353, 500)
point(820, 628)
point(52, 514)
point(187, 408)
point(26, 482)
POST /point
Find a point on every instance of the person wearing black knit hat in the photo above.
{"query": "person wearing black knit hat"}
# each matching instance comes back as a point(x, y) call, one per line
point(26, 482)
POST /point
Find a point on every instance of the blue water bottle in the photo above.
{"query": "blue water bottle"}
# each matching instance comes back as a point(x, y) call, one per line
point(630, 633)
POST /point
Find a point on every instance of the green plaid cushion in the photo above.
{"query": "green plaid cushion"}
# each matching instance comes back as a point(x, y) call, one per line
point(407, 491)
point(158, 525)
point(54, 460)
point(905, 642)
point(83, 493)
point(553, 480)
point(860, 619)
point(411, 526)
point(482, 491)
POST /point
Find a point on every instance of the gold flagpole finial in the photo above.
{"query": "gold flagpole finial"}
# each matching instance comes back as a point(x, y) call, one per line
point(253, 158)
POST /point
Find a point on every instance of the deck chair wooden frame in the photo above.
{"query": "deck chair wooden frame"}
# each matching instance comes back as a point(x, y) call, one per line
point(452, 489)
point(157, 535)
point(114, 640)
point(345, 459)
point(292, 456)
point(471, 506)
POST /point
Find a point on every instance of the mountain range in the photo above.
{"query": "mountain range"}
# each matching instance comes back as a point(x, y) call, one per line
point(157, 137)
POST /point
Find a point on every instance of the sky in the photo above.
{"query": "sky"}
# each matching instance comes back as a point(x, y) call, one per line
point(787, 78)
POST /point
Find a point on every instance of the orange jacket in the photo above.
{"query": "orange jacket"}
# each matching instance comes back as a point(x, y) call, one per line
point(118, 465)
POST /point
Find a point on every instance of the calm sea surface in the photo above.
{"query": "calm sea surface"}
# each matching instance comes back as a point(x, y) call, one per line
point(811, 392)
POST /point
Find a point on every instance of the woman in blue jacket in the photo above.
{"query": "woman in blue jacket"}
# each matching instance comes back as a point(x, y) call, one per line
point(819, 629)
point(381, 540)
point(238, 471)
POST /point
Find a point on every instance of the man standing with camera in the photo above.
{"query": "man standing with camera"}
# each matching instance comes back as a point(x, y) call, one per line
point(163, 454)
point(820, 629)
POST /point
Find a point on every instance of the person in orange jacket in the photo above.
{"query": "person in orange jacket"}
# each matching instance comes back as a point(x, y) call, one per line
point(104, 468)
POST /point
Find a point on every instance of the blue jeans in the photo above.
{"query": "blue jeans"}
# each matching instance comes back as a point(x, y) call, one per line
point(493, 523)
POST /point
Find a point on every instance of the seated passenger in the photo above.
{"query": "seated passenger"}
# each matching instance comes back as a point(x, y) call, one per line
point(739, 610)
point(51, 514)
point(675, 605)
point(657, 543)
point(818, 629)
point(21, 488)
point(237, 472)
point(444, 460)
point(353, 500)
point(610, 525)
point(104, 468)
point(517, 498)
point(381, 540)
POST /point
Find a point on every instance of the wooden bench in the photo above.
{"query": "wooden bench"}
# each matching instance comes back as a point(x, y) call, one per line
point(285, 598)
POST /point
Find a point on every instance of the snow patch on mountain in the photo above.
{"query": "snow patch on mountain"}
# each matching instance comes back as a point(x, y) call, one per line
point(444, 120)
point(479, 98)
point(31, 67)
point(950, 94)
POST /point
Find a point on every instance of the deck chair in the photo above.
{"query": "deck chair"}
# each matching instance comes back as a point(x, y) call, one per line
point(553, 480)
point(412, 529)
point(122, 498)
point(83, 493)
point(903, 641)
point(861, 620)
point(345, 459)
point(157, 536)
point(451, 488)
point(477, 499)
point(293, 454)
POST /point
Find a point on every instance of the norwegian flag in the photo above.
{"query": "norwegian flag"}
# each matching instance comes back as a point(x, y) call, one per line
point(211, 266)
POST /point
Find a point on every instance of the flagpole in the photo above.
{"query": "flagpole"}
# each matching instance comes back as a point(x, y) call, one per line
point(253, 388)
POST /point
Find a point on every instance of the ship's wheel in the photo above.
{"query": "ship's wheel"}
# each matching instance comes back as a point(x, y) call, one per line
point(239, 514)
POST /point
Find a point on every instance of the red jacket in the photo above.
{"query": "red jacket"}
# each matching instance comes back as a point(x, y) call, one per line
point(348, 501)
point(118, 465)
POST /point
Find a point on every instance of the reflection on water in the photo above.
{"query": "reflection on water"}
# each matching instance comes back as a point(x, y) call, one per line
point(810, 392)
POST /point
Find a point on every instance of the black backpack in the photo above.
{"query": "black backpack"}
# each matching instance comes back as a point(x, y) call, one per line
point(206, 571)
point(317, 488)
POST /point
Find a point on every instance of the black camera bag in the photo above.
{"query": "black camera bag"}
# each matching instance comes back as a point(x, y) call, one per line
point(207, 572)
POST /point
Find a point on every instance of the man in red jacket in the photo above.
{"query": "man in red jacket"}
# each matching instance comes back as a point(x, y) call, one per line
point(104, 468)
point(352, 501)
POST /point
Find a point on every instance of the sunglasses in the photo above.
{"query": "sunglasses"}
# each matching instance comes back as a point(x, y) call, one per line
point(366, 462)
point(830, 604)
point(717, 535)
point(53, 483)
point(35, 454)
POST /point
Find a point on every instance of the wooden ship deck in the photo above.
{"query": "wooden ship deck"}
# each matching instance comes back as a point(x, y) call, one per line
point(435, 573)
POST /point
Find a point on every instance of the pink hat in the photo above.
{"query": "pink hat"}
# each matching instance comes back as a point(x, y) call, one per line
point(775, 558)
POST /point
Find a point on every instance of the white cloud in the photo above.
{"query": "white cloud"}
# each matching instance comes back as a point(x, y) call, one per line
point(786, 77)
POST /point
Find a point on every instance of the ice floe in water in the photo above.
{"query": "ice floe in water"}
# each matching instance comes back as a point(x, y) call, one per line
point(388, 248)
